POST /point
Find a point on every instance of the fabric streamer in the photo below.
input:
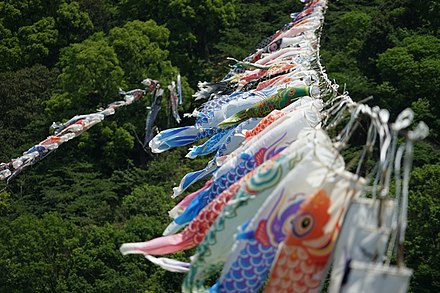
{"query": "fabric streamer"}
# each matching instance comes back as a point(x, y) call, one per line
point(279, 101)
point(232, 142)
point(154, 108)
point(214, 250)
point(179, 88)
point(302, 104)
point(267, 146)
point(258, 243)
point(312, 234)
point(360, 224)
point(64, 132)
point(192, 235)
point(207, 120)
point(174, 101)
point(212, 144)
point(174, 137)
point(279, 209)
point(182, 205)
point(306, 248)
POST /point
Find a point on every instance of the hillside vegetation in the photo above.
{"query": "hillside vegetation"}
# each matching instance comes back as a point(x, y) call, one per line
point(63, 220)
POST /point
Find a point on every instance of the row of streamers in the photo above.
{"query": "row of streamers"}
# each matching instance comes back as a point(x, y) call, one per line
point(74, 127)
point(280, 207)
point(64, 132)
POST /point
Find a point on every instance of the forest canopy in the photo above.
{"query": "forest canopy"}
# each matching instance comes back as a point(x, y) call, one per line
point(62, 221)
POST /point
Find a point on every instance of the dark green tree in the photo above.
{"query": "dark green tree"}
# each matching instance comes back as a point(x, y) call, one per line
point(422, 239)
point(22, 122)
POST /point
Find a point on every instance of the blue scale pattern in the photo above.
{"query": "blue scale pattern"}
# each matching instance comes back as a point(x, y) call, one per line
point(218, 186)
point(250, 270)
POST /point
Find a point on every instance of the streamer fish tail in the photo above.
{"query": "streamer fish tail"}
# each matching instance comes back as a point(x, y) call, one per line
point(234, 119)
point(158, 246)
point(211, 145)
point(193, 177)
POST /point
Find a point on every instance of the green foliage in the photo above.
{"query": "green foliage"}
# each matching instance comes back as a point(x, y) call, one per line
point(140, 47)
point(34, 31)
point(410, 73)
point(75, 24)
point(22, 122)
point(425, 110)
point(50, 254)
point(63, 220)
point(93, 70)
point(389, 51)
point(148, 200)
point(4, 202)
point(76, 191)
point(353, 26)
point(38, 253)
point(406, 66)
point(339, 55)
point(37, 39)
point(10, 50)
point(166, 171)
point(102, 13)
point(90, 73)
point(422, 239)
point(194, 27)
point(114, 143)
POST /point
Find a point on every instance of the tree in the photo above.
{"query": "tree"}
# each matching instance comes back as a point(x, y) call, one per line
point(35, 251)
point(90, 76)
point(23, 122)
point(75, 25)
point(422, 239)
point(37, 40)
point(29, 44)
point(51, 254)
point(141, 50)
point(10, 51)
point(102, 13)
point(412, 69)
point(34, 31)
point(353, 26)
